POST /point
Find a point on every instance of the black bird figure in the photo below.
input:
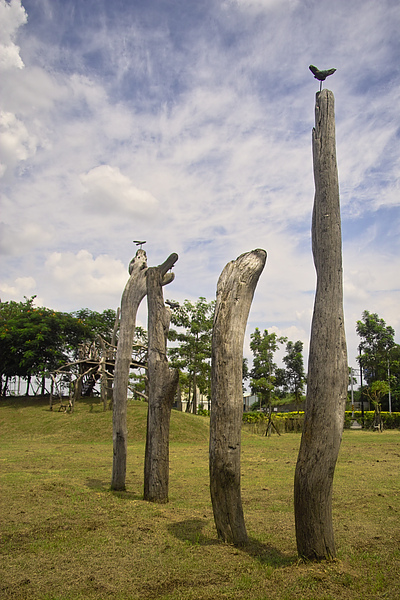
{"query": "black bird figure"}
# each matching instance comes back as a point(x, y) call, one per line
point(172, 304)
point(139, 243)
point(321, 75)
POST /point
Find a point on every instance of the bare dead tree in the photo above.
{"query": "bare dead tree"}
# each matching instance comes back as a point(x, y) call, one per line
point(134, 292)
point(327, 368)
point(235, 292)
point(163, 382)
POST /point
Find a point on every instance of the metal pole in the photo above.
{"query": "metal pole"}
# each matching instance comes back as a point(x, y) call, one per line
point(361, 390)
point(352, 393)
point(390, 393)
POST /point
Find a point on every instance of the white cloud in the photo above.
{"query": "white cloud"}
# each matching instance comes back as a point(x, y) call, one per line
point(195, 134)
point(33, 92)
point(23, 236)
point(21, 286)
point(107, 189)
point(82, 276)
point(263, 5)
point(16, 144)
point(12, 16)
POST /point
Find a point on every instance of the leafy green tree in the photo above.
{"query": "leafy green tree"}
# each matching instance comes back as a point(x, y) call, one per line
point(138, 379)
point(377, 339)
point(35, 340)
point(379, 357)
point(394, 376)
point(263, 380)
point(377, 390)
point(192, 352)
point(96, 323)
point(292, 379)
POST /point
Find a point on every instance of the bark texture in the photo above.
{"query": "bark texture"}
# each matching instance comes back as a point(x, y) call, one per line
point(163, 383)
point(327, 379)
point(235, 292)
point(134, 292)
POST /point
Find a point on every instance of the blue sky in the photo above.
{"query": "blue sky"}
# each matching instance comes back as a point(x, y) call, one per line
point(188, 124)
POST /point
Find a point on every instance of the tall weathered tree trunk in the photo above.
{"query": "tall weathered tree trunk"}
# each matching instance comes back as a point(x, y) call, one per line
point(327, 367)
point(235, 292)
point(163, 383)
point(134, 292)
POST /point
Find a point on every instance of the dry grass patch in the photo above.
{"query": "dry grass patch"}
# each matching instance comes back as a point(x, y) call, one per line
point(66, 536)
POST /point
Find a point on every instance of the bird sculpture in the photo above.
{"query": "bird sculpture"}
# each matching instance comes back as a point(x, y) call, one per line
point(139, 243)
point(321, 75)
point(172, 304)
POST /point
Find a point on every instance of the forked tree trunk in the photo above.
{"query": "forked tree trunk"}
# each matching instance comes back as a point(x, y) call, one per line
point(235, 292)
point(163, 383)
point(134, 292)
point(327, 368)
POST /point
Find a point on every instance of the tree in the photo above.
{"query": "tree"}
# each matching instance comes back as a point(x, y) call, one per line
point(377, 390)
point(377, 339)
point(379, 357)
point(134, 292)
point(97, 323)
point(138, 380)
point(193, 350)
point(264, 345)
point(328, 374)
point(393, 379)
point(292, 379)
point(163, 382)
point(36, 340)
point(235, 292)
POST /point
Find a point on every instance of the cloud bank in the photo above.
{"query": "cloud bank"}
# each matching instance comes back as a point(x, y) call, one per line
point(189, 125)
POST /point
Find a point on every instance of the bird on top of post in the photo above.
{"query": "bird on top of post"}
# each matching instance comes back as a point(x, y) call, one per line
point(321, 75)
point(172, 304)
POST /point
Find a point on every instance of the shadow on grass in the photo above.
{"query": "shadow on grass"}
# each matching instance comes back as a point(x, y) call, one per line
point(104, 486)
point(190, 531)
point(18, 402)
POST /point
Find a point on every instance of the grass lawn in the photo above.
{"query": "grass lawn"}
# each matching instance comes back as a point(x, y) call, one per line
point(66, 536)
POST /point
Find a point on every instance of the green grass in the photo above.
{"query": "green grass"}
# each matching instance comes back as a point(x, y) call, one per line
point(66, 536)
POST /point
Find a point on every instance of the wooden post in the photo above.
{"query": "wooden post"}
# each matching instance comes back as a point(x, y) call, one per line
point(163, 383)
point(235, 292)
point(134, 292)
point(328, 375)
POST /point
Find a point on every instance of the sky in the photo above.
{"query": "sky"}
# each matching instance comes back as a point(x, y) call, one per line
point(188, 124)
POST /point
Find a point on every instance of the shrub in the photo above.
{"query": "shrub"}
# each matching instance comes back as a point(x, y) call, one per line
point(203, 412)
point(293, 421)
point(283, 422)
point(390, 420)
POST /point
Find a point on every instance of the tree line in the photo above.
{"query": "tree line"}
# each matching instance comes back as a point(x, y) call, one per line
point(35, 341)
